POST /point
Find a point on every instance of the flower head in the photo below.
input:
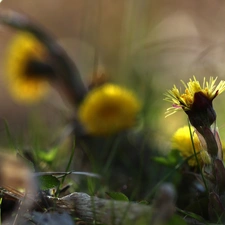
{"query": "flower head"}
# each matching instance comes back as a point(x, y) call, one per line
point(108, 109)
point(181, 141)
point(24, 83)
point(196, 100)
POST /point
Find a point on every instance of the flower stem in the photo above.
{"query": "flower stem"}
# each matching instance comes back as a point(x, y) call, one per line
point(211, 143)
point(192, 140)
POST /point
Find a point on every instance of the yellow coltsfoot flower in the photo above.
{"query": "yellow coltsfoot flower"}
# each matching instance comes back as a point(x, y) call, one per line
point(196, 100)
point(108, 109)
point(25, 83)
point(181, 141)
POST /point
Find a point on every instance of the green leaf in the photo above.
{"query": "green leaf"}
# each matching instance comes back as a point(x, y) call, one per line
point(47, 156)
point(174, 157)
point(191, 215)
point(171, 160)
point(161, 160)
point(47, 182)
point(176, 220)
point(143, 202)
point(118, 196)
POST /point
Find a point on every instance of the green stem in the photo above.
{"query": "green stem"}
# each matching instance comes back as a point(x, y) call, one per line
point(67, 169)
point(196, 158)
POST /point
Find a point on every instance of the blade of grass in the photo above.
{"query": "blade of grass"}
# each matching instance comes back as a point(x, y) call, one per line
point(67, 173)
point(9, 136)
point(67, 167)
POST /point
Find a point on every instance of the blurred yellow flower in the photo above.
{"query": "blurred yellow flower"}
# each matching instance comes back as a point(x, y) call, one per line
point(108, 109)
point(181, 141)
point(24, 86)
point(187, 100)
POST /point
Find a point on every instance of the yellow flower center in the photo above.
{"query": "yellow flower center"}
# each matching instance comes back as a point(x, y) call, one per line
point(108, 109)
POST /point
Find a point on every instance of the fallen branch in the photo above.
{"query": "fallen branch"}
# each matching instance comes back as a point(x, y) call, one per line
point(113, 212)
point(104, 211)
